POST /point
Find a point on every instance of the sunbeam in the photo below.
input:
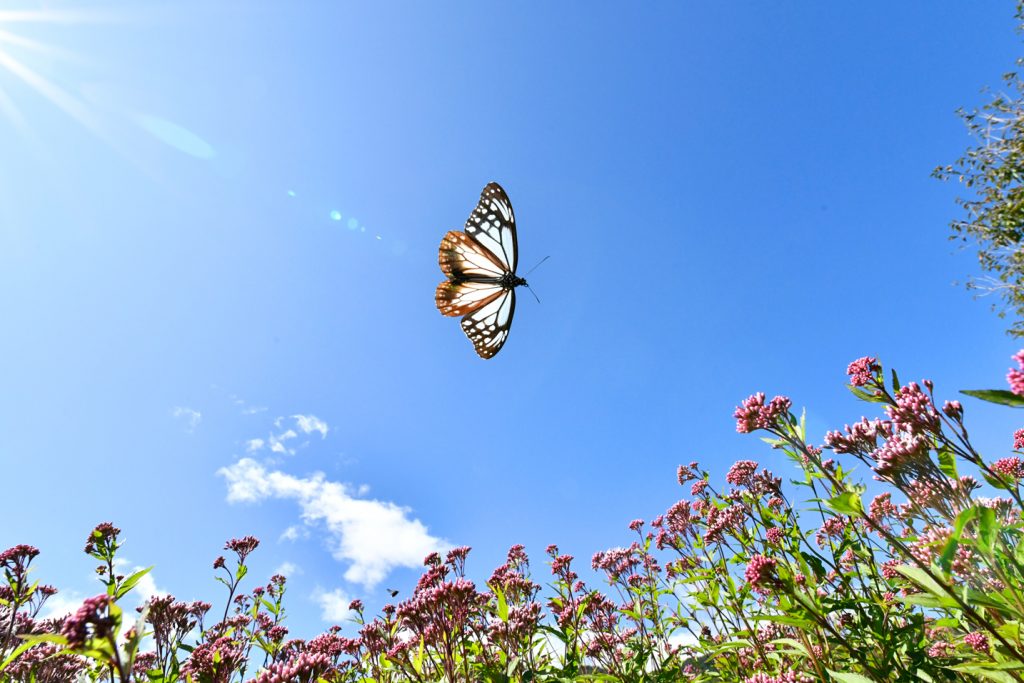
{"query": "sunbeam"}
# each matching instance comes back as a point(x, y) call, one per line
point(54, 93)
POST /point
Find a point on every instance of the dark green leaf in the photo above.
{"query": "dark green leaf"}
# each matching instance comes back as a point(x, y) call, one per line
point(1000, 396)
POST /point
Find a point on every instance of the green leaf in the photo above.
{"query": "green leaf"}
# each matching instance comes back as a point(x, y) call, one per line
point(866, 395)
point(988, 674)
point(949, 550)
point(895, 381)
point(947, 462)
point(1000, 396)
point(502, 602)
point(925, 600)
point(847, 503)
point(14, 655)
point(987, 529)
point(417, 661)
point(130, 582)
point(921, 578)
point(849, 678)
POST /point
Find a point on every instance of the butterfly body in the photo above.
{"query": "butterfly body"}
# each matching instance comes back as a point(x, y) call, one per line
point(480, 264)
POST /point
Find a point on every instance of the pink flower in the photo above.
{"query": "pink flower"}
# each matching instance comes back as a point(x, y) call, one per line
point(686, 473)
point(977, 640)
point(740, 472)
point(953, 410)
point(1015, 377)
point(242, 546)
point(92, 613)
point(775, 535)
point(862, 370)
point(1018, 440)
point(760, 572)
point(753, 414)
point(698, 487)
point(1010, 467)
point(913, 411)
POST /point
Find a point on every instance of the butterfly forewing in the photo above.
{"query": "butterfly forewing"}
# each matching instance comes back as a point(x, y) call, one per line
point(461, 256)
point(493, 224)
point(488, 326)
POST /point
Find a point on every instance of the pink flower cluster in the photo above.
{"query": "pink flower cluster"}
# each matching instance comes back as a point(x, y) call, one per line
point(861, 437)
point(91, 620)
point(760, 572)
point(862, 371)
point(306, 667)
point(913, 411)
point(1015, 377)
point(977, 641)
point(1012, 467)
point(753, 414)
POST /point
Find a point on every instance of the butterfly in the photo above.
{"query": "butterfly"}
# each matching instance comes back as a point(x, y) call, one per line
point(481, 267)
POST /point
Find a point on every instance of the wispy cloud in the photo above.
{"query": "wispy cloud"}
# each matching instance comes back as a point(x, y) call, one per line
point(288, 569)
point(294, 533)
point(311, 423)
point(61, 604)
point(371, 536)
point(277, 441)
point(333, 604)
point(190, 417)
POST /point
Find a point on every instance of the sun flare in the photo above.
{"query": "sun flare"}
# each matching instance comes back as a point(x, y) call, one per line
point(16, 53)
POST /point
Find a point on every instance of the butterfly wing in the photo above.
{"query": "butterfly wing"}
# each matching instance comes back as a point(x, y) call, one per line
point(462, 298)
point(460, 257)
point(493, 225)
point(488, 326)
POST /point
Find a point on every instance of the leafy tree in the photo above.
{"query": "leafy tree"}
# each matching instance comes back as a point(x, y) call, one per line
point(994, 170)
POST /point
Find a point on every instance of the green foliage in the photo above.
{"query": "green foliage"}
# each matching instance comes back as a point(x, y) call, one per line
point(994, 170)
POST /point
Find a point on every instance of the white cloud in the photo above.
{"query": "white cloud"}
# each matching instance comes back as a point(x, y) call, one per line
point(333, 604)
point(68, 601)
point(61, 604)
point(253, 445)
point(311, 423)
point(277, 442)
point(191, 417)
point(146, 588)
point(294, 533)
point(288, 569)
point(372, 536)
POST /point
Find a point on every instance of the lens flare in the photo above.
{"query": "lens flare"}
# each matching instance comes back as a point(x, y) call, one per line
point(15, 51)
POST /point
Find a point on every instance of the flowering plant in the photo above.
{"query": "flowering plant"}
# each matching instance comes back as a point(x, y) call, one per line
point(754, 581)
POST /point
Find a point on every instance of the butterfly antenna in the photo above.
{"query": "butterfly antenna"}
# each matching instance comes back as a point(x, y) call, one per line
point(533, 292)
point(538, 266)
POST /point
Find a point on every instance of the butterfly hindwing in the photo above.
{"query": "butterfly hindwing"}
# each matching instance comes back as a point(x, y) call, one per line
point(462, 298)
point(488, 326)
point(493, 224)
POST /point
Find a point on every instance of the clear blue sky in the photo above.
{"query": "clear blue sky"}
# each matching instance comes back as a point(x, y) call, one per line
point(212, 218)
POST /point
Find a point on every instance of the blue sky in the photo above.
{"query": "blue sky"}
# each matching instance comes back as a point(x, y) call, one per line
point(217, 223)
